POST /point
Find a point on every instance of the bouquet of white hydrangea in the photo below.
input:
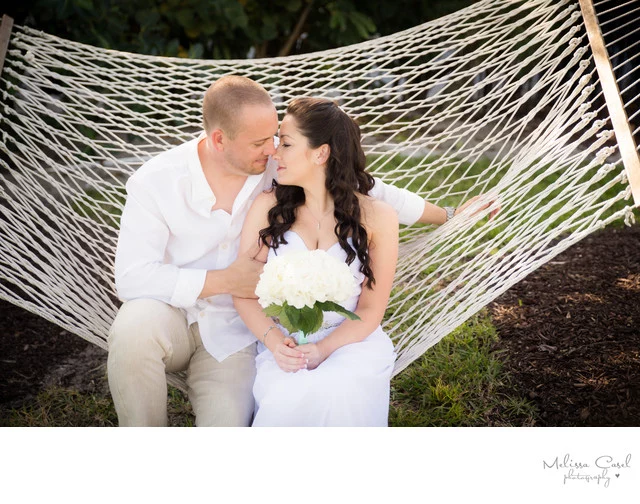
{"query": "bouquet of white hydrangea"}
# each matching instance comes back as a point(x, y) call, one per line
point(299, 286)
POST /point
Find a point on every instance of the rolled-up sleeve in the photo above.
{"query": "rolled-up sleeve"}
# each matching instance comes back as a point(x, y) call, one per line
point(140, 270)
point(188, 287)
point(408, 205)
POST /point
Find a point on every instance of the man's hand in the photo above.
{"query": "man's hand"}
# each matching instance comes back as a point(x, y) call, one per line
point(244, 274)
point(239, 279)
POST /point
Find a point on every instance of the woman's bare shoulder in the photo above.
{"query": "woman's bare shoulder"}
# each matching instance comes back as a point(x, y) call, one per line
point(266, 198)
point(260, 208)
point(377, 212)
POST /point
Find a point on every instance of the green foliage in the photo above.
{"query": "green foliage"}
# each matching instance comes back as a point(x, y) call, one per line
point(201, 28)
point(305, 319)
point(225, 28)
point(391, 17)
point(330, 306)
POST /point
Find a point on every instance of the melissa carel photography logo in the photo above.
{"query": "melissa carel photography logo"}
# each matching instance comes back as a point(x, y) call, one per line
point(601, 470)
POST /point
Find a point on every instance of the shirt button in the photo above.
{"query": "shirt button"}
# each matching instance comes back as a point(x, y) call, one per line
point(225, 246)
point(202, 314)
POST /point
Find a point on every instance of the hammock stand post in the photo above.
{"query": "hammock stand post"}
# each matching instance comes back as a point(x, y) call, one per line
point(5, 34)
point(619, 119)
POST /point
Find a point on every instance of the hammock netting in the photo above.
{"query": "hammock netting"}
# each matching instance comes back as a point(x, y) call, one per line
point(501, 98)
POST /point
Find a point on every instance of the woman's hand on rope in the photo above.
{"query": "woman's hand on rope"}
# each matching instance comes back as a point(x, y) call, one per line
point(484, 206)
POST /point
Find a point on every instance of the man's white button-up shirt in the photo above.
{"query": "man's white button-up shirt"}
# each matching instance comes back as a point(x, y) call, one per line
point(169, 239)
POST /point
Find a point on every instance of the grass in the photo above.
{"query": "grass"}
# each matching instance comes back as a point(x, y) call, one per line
point(60, 407)
point(101, 206)
point(442, 177)
point(458, 382)
point(63, 407)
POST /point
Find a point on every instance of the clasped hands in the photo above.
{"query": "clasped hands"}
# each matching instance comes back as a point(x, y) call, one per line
point(292, 357)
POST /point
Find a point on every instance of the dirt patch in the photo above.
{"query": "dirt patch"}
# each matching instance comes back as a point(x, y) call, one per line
point(570, 333)
point(36, 354)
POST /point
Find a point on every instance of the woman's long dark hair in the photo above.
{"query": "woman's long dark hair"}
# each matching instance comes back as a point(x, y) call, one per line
point(321, 121)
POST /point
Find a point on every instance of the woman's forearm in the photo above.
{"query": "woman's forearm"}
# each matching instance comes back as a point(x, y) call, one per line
point(288, 358)
point(351, 331)
point(433, 214)
point(262, 327)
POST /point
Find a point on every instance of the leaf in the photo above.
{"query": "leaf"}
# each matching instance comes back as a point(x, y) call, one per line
point(269, 29)
point(293, 314)
point(147, 17)
point(338, 21)
point(293, 5)
point(186, 18)
point(192, 33)
point(84, 4)
point(235, 15)
point(209, 27)
point(273, 310)
point(286, 323)
point(305, 319)
point(335, 307)
point(310, 319)
point(173, 47)
point(196, 50)
point(363, 24)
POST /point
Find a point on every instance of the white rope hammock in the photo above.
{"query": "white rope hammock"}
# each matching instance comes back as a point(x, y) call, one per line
point(500, 98)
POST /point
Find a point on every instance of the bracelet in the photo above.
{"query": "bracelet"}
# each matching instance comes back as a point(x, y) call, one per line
point(264, 336)
point(450, 211)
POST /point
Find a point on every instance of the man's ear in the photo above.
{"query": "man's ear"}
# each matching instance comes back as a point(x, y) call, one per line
point(217, 139)
point(322, 155)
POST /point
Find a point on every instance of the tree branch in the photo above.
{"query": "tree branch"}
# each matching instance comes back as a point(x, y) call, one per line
point(261, 50)
point(295, 34)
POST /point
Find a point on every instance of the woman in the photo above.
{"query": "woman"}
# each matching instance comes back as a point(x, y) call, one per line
point(342, 376)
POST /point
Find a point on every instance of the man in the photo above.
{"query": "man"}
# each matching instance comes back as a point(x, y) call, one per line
point(176, 266)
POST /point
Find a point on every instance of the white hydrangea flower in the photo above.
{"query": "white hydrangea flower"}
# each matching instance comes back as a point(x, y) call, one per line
point(303, 277)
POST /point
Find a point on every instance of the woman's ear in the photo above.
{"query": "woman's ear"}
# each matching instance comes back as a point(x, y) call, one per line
point(322, 154)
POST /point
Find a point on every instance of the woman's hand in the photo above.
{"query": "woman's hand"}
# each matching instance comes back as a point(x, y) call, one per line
point(313, 355)
point(484, 206)
point(288, 356)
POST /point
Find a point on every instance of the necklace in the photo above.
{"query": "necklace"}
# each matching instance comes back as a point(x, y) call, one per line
point(321, 218)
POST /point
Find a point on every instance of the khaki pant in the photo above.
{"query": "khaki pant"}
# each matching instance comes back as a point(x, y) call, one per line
point(149, 338)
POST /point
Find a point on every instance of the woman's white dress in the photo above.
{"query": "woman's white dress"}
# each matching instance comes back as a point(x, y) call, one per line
point(350, 388)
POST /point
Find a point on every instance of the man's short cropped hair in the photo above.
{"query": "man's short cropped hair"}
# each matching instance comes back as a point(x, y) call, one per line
point(225, 97)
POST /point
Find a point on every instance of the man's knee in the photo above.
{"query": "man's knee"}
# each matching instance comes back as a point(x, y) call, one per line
point(142, 328)
point(138, 318)
point(229, 410)
point(222, 393)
